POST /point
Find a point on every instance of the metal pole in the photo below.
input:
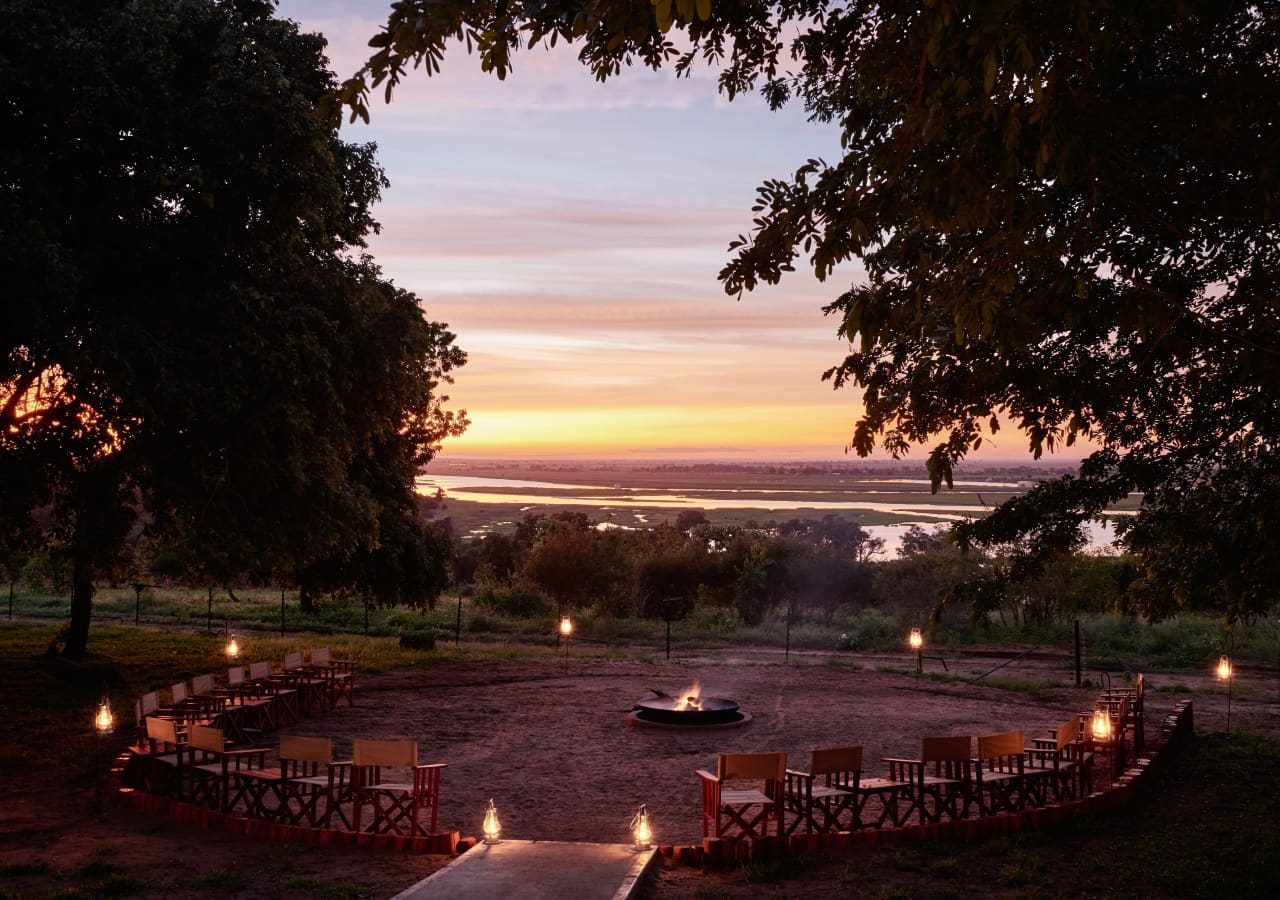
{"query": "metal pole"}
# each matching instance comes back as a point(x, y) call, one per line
point(1230, 678)
point(366, 617)
point(668, 640)
point(11, 600)
point(1077, 653)
point(786, 657)
point(457, 625)
point(209, 626)
point(282, 610)
point(137, 604)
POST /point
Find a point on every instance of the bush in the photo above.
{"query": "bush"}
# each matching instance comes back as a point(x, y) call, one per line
point(418, 640)
point(516, 601)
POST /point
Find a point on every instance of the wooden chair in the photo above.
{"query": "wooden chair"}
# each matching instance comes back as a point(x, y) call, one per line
point(340, 675)
point(1056, 766)
point(822, 805)
point(999, 773)
point(284, 708)
point(148, 707)
point(162, 771)
point(312, 687)
point(250, 706)
point(313, 788)
point(735, 811)
point(943, 774)
point(397, 790)
point(206, 773)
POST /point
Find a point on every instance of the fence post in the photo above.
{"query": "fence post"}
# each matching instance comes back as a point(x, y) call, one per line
point(1077, 653)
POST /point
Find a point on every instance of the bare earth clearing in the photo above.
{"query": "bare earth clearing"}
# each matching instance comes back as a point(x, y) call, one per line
point(548, 740)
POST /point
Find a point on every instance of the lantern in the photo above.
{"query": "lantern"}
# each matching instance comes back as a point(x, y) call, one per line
point(1101, 726)
point(916, 640)
point(492, 828)
point(233, 648)
point(1224, 668)
point(103, 721)
point(566, 626)
point(640, 830)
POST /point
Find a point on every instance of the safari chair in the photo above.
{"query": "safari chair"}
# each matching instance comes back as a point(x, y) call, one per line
point(312, 787)
point(162, 773)
point(822, 805)
point(148, 707)
point(206, 773)
point(313, 688)
point(397, 791)
point(999, 773)
point(283, 710)
point(943, 774)
point(340, 675)
point(1056, 767)
point(251, 709)
point(743, 800)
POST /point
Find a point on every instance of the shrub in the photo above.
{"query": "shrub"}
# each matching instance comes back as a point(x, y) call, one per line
point(418, 640)
point(517, 601)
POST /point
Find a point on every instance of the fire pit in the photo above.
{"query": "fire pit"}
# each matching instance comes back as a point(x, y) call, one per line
point(688, 709)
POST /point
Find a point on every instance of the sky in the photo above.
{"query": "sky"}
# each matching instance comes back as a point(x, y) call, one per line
point(570, 234)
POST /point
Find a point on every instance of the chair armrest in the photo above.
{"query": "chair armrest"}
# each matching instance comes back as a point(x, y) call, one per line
point(901, 760)
point(707, 776)
point(421, 768)
point(807, 776)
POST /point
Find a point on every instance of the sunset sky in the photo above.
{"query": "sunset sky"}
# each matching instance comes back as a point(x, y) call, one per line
point(570, 234)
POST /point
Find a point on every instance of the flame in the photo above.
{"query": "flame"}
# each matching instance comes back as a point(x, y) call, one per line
point(492, 828)
point(640, 829)
point(103, 720)
point(916, 639)
point(1224, 668)
point(233, 649)
point(1101, 725)
point(690, 697)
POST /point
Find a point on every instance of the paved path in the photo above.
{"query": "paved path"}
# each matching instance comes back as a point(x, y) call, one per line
point(537, 870)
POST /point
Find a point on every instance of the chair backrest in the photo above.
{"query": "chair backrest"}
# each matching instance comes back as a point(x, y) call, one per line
point(179, 693)
point(306, 749)
point(1137, 690)
point(293, 661)
point(162, 730)
point(385, 753)
point(259, 670)
point(946, 749)
point(149, 703)
point(206, 737)
point(751, 766)
point(235, 676)
point(836, 760)
point(1068, 732)
point(1011, 743)
point(201, 685)
point(321, 657)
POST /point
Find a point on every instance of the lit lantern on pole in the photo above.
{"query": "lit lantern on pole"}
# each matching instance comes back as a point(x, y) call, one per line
point(916, 640)
point(1101, 725)
point(233, 648)
point(640, 830)
point(1226, 673)
point(103, 721)
point(566, 627)
point(492, 828)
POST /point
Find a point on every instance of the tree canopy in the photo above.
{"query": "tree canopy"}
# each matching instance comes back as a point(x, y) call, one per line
point(193, 342)
point(1067, 215)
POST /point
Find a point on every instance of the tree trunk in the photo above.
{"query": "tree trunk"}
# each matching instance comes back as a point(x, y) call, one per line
point(81, 604)
point(308, 600)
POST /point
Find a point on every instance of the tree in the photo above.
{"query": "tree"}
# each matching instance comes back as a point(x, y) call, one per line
point(1067, 214)
point(192, 339)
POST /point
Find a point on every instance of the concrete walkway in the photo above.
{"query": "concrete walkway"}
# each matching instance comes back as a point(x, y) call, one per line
point(537, 870)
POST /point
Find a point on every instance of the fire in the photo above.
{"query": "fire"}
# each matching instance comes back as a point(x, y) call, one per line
point(690, 697)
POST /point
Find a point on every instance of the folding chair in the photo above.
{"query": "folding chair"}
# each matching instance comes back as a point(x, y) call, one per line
point(313, 688)
point(943, 774)
point(732, 810)
point(999, 773)
point(313, 788)
point(397, 790)
point(284, 710)
point(1058, 766)
point(340, 675)
point(206, 774)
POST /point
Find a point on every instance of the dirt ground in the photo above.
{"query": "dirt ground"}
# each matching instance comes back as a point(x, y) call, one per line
point(549, 740)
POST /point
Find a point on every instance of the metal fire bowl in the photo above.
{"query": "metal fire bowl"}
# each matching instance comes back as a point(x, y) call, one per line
point(710, 711)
